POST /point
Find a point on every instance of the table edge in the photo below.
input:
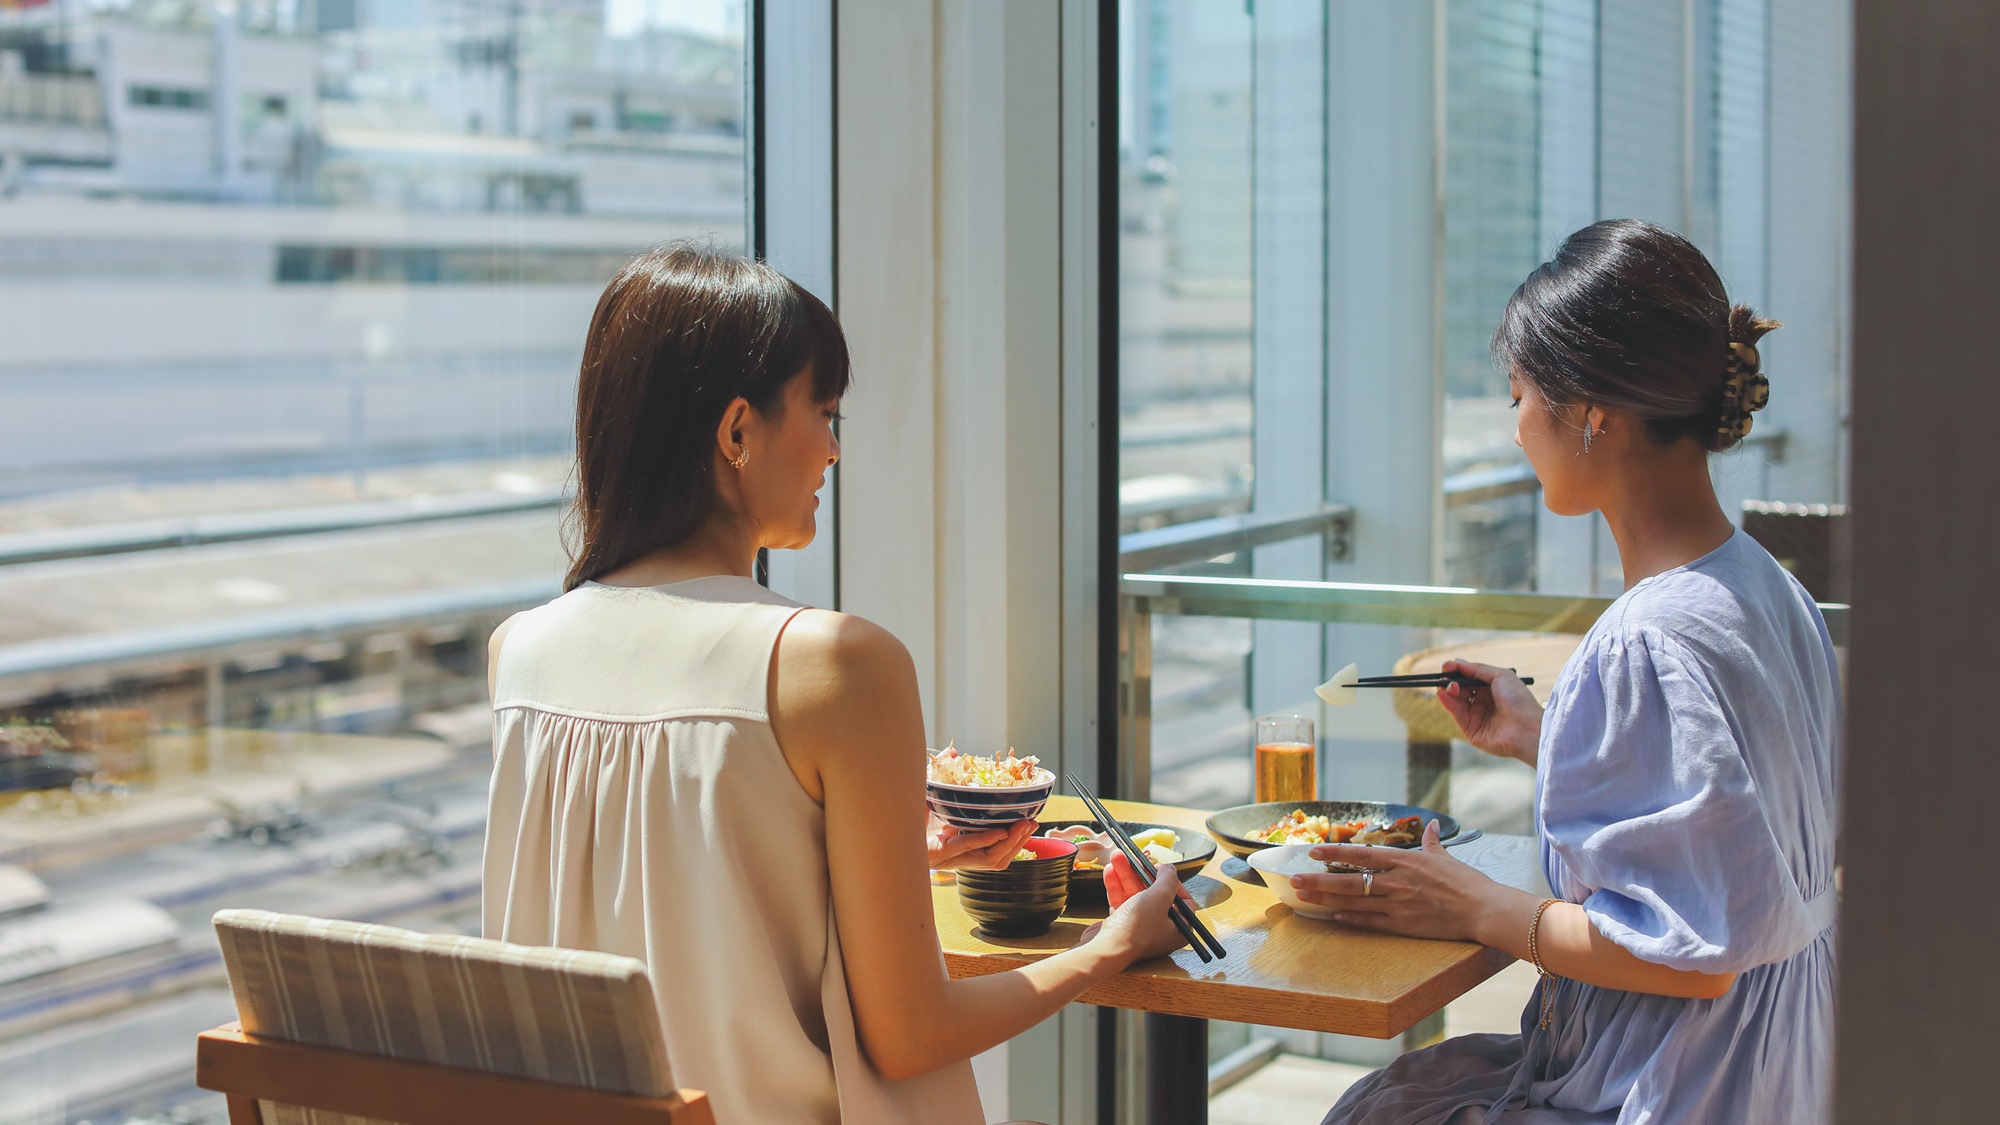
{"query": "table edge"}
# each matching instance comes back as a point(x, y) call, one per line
point(1267, 1007)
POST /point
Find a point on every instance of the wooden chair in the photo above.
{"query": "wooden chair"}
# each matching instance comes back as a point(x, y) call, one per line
point(343, 1023)
point(1813, 541)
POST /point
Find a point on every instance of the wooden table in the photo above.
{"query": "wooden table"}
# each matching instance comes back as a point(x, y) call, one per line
point(1282, 970)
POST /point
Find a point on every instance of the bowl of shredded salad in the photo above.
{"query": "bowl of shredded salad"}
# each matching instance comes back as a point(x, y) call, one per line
point(976, 792)
point(956, 769)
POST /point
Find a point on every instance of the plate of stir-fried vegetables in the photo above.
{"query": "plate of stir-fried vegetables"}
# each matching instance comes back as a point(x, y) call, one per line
point(1248, 828)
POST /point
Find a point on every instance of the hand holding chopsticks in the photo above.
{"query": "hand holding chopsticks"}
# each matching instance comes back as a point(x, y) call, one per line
point(1343, 688)
point(1183, 913)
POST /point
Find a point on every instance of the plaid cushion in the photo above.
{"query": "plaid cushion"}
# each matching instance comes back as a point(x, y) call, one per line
point(557, 1015)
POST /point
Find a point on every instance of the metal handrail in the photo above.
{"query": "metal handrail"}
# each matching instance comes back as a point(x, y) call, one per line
point(1361, 603)
point(1201, 540)
point(237, 527)
point(1478, 485)
point(1145, 596)
point(34, 666)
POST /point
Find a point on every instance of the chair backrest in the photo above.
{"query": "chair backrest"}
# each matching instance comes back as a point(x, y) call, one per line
point(569, 1017)
point(1810, 540)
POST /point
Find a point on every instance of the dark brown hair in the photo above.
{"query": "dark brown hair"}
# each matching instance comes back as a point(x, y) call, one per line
point(1631, 316)
point(679, 334)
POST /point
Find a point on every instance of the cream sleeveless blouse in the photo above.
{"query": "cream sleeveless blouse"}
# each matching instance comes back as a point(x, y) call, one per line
point(640, 805)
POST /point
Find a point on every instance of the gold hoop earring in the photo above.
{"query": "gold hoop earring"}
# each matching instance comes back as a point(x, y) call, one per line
point(741, 459)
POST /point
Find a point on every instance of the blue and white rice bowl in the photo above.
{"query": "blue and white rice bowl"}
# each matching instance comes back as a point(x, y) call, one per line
point(976, 808)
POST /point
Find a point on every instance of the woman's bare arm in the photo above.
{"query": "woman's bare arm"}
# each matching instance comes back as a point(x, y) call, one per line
point(845, 709)
point(1572, 947)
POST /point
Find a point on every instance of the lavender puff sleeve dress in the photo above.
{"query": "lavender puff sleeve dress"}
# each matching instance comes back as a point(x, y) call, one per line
point(1685, 797)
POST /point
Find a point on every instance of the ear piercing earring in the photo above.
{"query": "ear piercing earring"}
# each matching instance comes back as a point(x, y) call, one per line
point(741, 459)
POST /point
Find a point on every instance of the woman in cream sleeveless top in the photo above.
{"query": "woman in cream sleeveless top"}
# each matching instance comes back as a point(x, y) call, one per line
point(695, 771)
point(651, 813)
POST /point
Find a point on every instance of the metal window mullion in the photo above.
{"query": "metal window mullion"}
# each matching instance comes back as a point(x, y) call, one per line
point(791, 196)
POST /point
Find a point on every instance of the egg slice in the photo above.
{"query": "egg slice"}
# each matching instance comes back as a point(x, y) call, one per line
point(1340, 690)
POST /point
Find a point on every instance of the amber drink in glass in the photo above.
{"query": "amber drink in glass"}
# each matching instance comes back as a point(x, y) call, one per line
point(1287, 767)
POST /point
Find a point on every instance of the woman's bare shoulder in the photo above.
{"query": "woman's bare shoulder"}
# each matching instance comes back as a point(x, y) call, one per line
point(493, 642)
point(842, 687)
point(824, 643)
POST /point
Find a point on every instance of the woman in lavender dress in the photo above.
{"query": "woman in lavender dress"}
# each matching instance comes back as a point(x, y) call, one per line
point(1685, 766)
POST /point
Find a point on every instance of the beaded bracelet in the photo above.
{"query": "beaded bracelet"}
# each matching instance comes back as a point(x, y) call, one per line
point(1547, 984)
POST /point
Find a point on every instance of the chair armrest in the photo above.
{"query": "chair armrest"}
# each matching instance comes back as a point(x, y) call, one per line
point(232, 1061)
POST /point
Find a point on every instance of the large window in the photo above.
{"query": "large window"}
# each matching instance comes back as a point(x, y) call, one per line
point(1323, 210)
point(292, 296)
point(1322, 215)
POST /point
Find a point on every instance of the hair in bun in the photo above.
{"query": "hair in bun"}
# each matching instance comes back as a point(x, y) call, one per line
point(1745, 390)
point(1631, 316)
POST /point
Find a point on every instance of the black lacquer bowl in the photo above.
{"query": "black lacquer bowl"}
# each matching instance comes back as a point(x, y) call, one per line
point(1024, 898)
point(1233, 827)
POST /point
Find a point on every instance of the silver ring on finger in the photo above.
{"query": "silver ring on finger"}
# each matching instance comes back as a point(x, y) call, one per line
point(1367, 883)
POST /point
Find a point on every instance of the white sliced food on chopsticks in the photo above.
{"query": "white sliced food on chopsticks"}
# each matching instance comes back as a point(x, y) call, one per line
point(1340, 690)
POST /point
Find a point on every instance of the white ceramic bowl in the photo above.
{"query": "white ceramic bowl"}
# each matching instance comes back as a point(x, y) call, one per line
point(1278, 864)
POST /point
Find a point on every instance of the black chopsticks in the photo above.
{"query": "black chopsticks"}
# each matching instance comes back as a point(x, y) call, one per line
point(1427, 679)
point(1185, 919)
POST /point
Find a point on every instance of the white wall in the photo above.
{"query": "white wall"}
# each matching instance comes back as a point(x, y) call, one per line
point(958, 480)
point(887, 253)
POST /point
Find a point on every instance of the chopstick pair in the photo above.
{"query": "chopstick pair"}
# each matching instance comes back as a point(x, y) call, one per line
point(1185, 919)
point(1428, 679)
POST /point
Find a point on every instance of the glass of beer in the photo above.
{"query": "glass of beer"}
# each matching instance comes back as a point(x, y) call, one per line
point(1287, 767)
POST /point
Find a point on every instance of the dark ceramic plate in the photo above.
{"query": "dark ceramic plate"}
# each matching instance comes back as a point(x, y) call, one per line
point(1234, 826)
point(1087, 884)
